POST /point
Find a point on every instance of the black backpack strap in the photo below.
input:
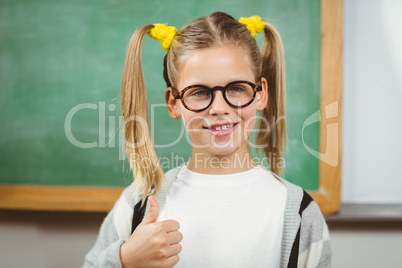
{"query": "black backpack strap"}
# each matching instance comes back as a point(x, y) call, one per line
point(294, 254)
point(138, 214)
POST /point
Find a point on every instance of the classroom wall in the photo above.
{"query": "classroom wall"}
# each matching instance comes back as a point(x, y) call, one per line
point(61, 240)
point(371, 127)
point(372, 92)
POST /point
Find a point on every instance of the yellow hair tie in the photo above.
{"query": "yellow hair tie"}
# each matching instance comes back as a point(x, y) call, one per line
point(164, 34)
point(254, 24)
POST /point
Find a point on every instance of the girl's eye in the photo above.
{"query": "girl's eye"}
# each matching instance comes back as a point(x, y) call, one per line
point(235, 89)
point(199, 92)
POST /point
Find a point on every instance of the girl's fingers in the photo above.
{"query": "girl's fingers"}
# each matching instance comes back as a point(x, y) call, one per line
point(171, 261)
point(174, 250)
point(170, 225)
point(175, 237)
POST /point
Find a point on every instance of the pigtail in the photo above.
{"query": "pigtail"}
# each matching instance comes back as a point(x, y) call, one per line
point(141, 155)
point(274, 141)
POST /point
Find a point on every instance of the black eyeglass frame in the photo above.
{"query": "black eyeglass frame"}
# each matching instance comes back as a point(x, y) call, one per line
point(179, 95)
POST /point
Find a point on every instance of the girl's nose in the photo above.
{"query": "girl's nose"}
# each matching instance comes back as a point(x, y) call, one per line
point(219, 105)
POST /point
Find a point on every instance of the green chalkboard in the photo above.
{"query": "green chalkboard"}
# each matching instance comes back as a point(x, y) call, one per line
point(60, 72)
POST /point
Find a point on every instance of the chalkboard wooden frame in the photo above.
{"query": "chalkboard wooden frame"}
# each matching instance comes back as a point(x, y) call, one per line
point(328, 195)
point(101, 199)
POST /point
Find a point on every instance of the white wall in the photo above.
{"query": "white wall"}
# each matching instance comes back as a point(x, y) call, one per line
point(61, 240)
point(46, 239)
point(371, 147)
point(372, 96)
point(365, 245)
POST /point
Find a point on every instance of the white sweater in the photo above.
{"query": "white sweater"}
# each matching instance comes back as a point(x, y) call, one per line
point(219, 228)
point(302, 220)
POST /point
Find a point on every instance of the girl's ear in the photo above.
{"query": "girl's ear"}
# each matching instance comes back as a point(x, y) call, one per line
point(262, 96)
point(171, 104)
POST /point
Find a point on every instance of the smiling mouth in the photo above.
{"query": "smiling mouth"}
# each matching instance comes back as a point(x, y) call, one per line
point(221, 127)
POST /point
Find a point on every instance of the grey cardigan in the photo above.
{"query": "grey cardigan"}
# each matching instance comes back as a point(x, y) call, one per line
point(305, 241)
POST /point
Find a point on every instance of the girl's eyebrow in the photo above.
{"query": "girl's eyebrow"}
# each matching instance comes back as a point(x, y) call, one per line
point(211, 86)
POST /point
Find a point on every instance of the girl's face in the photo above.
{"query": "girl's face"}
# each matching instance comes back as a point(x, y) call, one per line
point(220, 130)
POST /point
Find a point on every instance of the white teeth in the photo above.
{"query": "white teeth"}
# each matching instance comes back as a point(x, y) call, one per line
point(223, 127)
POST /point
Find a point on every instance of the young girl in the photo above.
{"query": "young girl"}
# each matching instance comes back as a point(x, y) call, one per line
point(231, 211)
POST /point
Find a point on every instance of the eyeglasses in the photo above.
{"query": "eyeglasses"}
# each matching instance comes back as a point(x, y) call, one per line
point(237, 94)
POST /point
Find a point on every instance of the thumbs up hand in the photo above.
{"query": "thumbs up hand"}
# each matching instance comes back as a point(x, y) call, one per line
point(153, 212)
point(153, 244)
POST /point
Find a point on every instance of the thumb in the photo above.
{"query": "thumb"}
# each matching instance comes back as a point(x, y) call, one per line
point(153, 211)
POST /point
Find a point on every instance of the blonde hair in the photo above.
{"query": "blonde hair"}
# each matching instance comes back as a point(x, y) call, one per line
point(216, 30)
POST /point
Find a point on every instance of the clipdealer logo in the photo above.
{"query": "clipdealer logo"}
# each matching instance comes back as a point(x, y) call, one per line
point(101, 143)
point(331, 154)
point(112, 125)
